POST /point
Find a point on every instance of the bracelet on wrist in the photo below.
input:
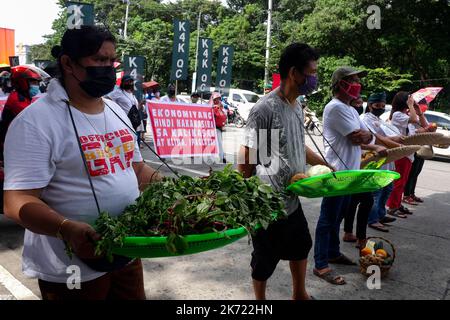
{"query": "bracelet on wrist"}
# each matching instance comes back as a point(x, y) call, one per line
point(58, 233)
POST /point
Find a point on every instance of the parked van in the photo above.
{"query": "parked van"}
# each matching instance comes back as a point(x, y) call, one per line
point(243, 100)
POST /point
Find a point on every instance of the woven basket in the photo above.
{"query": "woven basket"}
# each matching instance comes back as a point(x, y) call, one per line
point(441, 146)
point(398, 153)
point(443, 143)
point(384, 269)
point(425, 138)
point(392, 155)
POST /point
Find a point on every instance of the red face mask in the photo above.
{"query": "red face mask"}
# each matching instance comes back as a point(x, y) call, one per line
point(353, 89)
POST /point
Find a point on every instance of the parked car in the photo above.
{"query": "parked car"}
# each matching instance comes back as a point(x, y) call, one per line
point(243, 100)
point(442, 121)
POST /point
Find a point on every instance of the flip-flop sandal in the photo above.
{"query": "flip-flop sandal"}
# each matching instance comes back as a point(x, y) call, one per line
point(342, 259)
point(378, 228)
point(396, 213)
point(331, 277)
point(405, 210)
point(349, 240)
point(410, 201)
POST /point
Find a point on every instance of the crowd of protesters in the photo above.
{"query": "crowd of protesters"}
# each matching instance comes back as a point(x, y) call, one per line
point(83, 101)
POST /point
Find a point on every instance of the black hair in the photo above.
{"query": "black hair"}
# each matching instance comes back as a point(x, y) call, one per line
point(399, 103)
point(124, 80)
point(81, 43)
point(297, 55)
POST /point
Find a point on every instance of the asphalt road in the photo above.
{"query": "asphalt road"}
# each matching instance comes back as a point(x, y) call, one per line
point(421, 269)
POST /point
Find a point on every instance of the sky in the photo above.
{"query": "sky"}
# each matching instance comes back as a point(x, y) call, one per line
point(31, 19)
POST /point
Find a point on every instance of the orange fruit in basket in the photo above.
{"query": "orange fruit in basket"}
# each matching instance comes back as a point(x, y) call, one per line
point(381, 253)
point(366, 251)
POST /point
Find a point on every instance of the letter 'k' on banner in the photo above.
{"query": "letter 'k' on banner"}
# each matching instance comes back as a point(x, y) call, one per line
point(224, 67)
point(204, 64)
point(135, 67)
point(180, 50)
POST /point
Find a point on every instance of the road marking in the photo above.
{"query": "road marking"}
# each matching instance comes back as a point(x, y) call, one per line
point(17, 289)
point(180, 168)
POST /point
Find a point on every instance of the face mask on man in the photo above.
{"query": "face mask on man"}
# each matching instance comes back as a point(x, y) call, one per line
point(128, 86)
point(33, 90)
point(309, 86)
point(378, 112)
point(99, 80)
point(353, 89)
point(360, 110)
point(171, 93)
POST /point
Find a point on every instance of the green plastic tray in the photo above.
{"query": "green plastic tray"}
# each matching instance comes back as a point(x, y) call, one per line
point(346, 182)
point(155, 247)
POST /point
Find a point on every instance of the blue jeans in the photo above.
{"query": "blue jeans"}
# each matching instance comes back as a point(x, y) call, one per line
point(326, 246)
point(379, 204)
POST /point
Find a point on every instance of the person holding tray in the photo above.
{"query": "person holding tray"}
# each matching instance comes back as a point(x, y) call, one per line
point(409, 196)
point(361, 204)
point(69, 156)
point(391, 138)
point(344, 133)
point(402, 114)
point(274, 149)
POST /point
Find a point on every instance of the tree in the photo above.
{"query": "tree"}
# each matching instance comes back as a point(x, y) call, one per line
point(413, 39)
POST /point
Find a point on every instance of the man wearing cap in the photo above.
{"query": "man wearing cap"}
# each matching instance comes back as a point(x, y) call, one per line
point(344, 133)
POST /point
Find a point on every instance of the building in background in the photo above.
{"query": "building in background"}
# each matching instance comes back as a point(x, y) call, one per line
point(23, 52)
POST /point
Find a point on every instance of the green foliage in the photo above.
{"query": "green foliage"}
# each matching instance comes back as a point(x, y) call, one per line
point(189, 205)
point(412, 44)
point(383, 79)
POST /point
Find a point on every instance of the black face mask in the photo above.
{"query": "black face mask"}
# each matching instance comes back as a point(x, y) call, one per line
point(359, 110)
point(128, 86)
point(99, 81)
point(171, 93)
point(378, 112)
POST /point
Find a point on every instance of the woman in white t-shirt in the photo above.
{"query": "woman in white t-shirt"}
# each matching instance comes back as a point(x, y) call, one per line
point(125, 98)
point(55, 150)
point(389, 136)
point(402, 114)
point(409, 195)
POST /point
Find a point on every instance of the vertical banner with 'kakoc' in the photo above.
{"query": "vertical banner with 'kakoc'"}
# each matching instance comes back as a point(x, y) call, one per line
point(135, 67)
point(204, 65)
point(79, 14)
point(224, 67)
point(183, 130)
point(180, 51)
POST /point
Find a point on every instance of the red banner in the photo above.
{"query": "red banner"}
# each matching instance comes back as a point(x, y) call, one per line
point(183, 130)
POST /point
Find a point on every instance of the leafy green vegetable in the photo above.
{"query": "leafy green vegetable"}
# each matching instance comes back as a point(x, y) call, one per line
point(184, 206)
